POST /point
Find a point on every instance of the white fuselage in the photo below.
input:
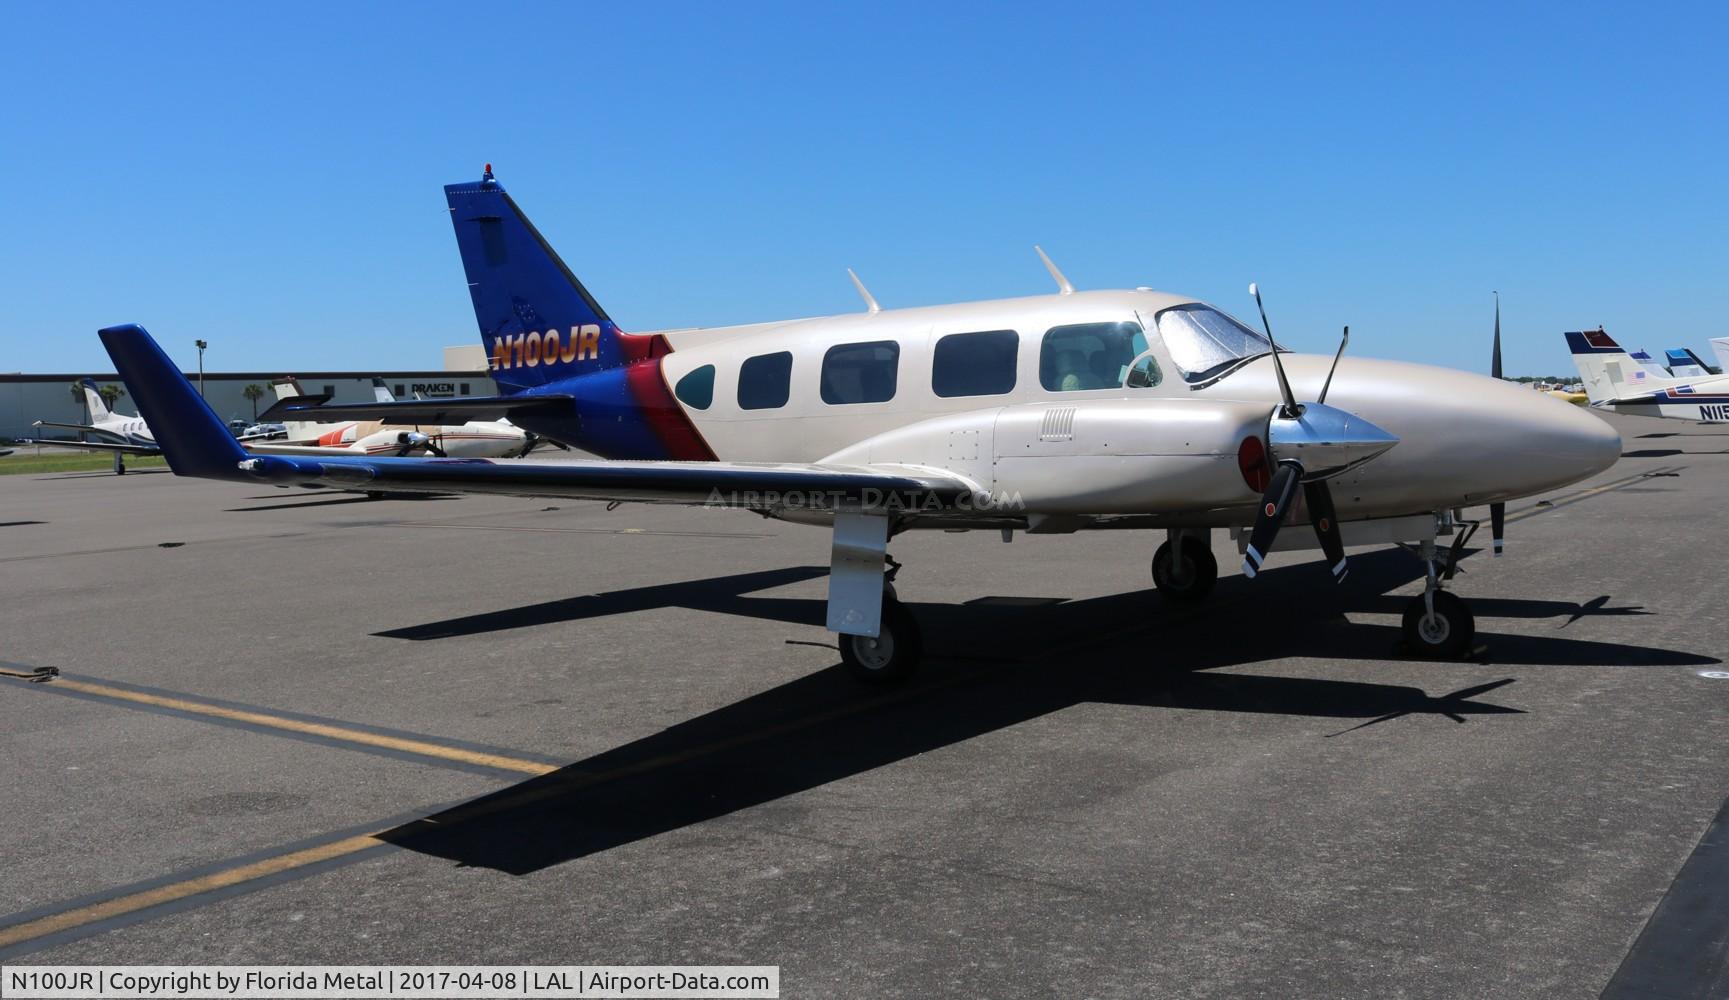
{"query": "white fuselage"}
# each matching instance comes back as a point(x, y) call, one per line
point(1168, 449)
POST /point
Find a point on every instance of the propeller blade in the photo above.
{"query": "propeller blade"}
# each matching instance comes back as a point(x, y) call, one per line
point(1291, 407)
point(1498, 524)
point(1275, 504)
point(1320, 499)
point(1328, 384)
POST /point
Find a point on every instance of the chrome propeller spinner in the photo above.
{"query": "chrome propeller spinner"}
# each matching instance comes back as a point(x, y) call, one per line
point(1309, 443)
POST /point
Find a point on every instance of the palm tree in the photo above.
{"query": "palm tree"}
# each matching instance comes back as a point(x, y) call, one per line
point(77, 389)
point(253, 394)
point(110, 394)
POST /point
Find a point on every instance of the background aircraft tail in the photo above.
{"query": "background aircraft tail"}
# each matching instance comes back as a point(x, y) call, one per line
point(99, 410)
point(1683, 363)
point(1608, 371)
point(1647, 362)
point(1720, 347)
point(193, 439)
point(288, 387)
point(537, 321)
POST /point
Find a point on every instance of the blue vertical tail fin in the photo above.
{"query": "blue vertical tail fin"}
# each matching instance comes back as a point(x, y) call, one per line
point(192, 437)
point(537, 321)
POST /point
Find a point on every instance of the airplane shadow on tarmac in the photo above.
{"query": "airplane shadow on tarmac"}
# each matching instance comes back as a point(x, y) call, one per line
point(990, 665)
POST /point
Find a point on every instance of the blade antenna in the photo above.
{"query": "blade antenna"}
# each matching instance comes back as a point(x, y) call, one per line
point(1063, 286)
point(1495, 362)
point(864, 293)
point(1328, 384)
point(1291, 407)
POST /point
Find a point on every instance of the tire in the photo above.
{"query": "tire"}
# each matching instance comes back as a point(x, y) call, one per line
point(1203, 571)
point(1448, 636)
point(892, 656)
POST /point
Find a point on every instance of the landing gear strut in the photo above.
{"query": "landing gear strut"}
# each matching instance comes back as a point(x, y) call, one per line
point(1437, 625)
point(890, 656)
point(1184, 568)
point(119, 463)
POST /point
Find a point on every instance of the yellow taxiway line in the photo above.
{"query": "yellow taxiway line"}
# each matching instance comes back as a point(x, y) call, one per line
point(344, 734)
point(1593, 491)
point(123, 905)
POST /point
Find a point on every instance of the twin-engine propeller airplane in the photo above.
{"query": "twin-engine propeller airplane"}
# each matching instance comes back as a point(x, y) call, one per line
point(308, 433)
point(1049, 414)
point(1615, 381)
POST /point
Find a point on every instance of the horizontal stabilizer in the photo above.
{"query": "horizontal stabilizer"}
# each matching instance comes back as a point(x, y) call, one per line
point(420, 411)
point(124, 449)
point(85, 428)
point(278, 410)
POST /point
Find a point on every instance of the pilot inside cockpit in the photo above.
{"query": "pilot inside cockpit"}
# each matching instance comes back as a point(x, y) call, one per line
point(1089, 355)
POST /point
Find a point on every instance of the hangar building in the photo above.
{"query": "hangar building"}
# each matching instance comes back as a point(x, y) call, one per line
point(25, 399)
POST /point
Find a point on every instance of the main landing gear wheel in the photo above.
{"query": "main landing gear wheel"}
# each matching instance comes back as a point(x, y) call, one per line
point(892, 655)
point(1190, 580)
point(1446, 634)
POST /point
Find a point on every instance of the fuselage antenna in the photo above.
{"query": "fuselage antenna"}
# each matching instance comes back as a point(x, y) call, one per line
point(1063, 286)
point(864, 293)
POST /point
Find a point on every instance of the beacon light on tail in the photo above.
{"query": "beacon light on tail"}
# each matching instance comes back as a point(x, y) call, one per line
point(1049, 414)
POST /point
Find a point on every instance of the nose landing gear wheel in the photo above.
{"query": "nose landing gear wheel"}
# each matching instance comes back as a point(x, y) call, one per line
point(1193, 578)
point(890, 657)
point(1444, 635)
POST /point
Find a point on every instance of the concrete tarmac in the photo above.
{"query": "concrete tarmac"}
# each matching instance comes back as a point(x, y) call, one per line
point(304, 728)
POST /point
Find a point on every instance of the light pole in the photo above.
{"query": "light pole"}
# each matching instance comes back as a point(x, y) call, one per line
point(202, 344)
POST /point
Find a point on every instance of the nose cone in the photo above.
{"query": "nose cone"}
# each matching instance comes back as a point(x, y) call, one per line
point(1558, 442)
point(1487, 439)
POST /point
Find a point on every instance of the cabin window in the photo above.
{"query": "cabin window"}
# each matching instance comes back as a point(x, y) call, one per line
point(764, 381)
point(399, 392)
point(330, 390)
point(975, 364)
point(1090, 355)
point(860, 373)
point(464, 389)
point(696, 389)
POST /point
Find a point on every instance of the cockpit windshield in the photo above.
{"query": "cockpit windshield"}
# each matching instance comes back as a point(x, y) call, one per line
point(1205, 342)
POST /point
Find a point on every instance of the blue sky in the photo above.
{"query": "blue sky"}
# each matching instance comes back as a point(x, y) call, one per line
point(267, 177)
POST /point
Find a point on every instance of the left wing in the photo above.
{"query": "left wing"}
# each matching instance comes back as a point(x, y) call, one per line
point(864, 499)
point(197, 444)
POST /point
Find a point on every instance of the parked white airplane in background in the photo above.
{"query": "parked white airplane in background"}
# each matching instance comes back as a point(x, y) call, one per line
point(310, 435)
point(116, 432)
point(502, 430)
point(1614, 381)
point(1720, 347)
point(1049, 414)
